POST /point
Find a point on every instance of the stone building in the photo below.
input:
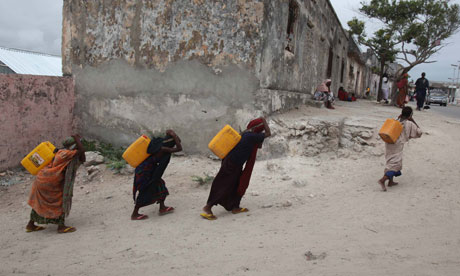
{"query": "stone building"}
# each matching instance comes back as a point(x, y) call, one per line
point(356, 70)
point(196, 65)
point(371, 78)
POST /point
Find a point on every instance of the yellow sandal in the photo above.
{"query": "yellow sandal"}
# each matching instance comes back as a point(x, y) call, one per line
point(69, 229)
point(241, 210)
point(208, 216)
point(37, 228)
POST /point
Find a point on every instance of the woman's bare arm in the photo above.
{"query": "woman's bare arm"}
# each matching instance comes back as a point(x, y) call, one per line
point(266, 128)
point(177, 140)
point(80, 148)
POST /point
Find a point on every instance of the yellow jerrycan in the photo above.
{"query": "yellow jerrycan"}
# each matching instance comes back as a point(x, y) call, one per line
point(390, 131)
point(224, 141)
point(136, 153)
point(39, 157)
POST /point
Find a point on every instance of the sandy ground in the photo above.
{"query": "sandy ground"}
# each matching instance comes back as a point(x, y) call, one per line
point(328, 206)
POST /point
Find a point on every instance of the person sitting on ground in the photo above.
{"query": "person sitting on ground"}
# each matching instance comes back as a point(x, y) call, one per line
point(147, 179)
point(342, 94)
point(352, 98)
point(51, 193)
point(394, 152)
point(231, 181)
point(323, 93)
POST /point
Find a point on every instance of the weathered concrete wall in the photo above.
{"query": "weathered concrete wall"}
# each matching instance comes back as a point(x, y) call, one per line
point(372, 80)
point(156, 33)
point(192, 65)
point(317, 31)
point(33, 109)
point(119, 109)
point(356, 77)
point(270, 101)
point(155, 64)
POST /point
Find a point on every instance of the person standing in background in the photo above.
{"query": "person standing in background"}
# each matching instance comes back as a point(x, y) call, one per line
point(385, 89)
point(402, 86)
point(421, 87)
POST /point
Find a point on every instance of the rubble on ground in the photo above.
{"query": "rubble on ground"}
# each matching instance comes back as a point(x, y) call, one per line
point(13, 176)
point(127, 170)
point(313, 136)
point(93, 158)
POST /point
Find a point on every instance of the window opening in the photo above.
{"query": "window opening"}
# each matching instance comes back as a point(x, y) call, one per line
point(329, 63)
point(342, 71)
point(291, 27)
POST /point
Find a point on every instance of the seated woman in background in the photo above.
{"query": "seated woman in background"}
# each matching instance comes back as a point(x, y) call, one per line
point(52, 190)
point(323, 93)
point(352, 98)
point(147, 179)
point(342, 94)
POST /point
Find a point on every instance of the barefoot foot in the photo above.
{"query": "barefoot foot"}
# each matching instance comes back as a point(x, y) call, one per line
point(382, 185)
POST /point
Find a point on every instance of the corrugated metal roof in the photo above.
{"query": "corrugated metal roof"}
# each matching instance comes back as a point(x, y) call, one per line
point(31, 63)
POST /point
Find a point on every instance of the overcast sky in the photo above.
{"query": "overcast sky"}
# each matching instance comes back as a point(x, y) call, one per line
point(36, 25)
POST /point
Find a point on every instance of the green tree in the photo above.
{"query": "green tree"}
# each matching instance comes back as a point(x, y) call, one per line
point(411, 30)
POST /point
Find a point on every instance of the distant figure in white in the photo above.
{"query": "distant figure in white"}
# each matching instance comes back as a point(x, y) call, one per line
point(385, 89)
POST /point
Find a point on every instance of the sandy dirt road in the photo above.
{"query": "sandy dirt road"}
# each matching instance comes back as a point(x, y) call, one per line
point(320, 215)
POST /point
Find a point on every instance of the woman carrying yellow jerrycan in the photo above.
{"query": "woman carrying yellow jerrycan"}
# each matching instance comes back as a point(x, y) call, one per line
point(149, 187)
point(231, 181)
point(51, 193)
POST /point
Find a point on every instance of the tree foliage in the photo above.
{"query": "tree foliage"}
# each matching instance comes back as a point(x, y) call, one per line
point(382, 43)
point(411, 32)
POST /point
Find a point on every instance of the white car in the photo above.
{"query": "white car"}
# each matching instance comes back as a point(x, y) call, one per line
point(438, 97)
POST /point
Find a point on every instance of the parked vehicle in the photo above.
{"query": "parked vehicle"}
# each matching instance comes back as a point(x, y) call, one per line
point(438, 97)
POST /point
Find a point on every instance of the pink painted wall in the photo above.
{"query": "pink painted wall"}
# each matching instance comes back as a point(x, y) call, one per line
point(33, 109)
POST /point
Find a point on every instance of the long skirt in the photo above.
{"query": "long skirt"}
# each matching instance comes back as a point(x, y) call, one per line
point(401, 97)
point(225, 185)
point(42, 220)
point(150, 188)
point(154, 193)
point(51, 192)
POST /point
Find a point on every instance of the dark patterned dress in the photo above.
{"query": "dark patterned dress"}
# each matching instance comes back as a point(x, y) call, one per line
point(148, 183)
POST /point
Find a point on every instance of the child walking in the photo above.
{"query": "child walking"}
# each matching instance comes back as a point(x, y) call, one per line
point(394, 152)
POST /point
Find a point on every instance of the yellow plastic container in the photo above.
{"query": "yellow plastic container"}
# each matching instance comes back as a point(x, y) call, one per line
point(224, 141)
point(390, 131)
point(136, 153)
point(39, 157)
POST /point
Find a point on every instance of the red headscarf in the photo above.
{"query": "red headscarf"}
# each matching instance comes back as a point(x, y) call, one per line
point(257, 126)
